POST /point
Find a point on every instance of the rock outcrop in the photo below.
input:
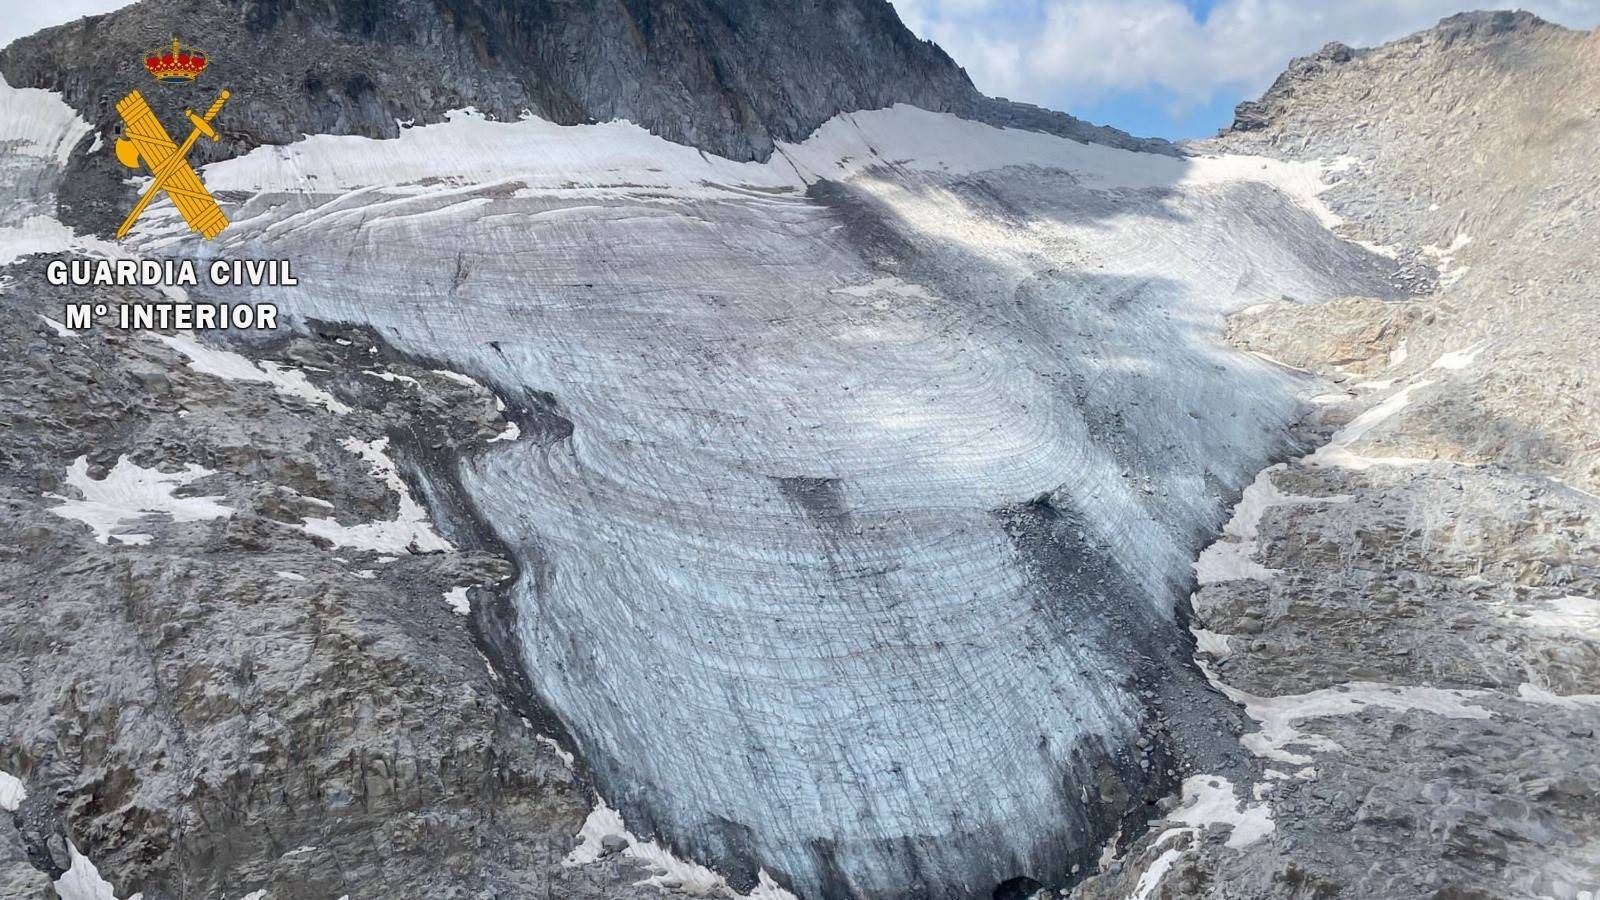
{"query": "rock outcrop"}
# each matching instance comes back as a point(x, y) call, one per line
point(1412, 611)
point(232, 704)
point(730, 77)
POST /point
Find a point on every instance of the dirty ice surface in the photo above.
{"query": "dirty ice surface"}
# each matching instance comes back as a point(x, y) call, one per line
point(773, 575)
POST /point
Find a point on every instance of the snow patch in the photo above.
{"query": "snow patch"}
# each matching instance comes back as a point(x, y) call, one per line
point(12, 792)
point(294, 383)
point(601, 821)
point(82, 880)
point(230, 366)
point(555, 747)
point(60, 329)
point(1445, 258)
point(689, 878)
point(130, 493)
point(392, 377)
point(1533, 693)
point(1456, 360)
point(1150, 878)
point(1210, 800)
point(458, 378)
point(1277, 715)
point(1207, 800)
point(1230, 561)
point(1229, 558)
point(1580, 614)
point(1337, 451)
point(35, 234)
point(1211, 642)
point(38, 124)
point(1399, 354)
point(410, 527)
point(456, 599)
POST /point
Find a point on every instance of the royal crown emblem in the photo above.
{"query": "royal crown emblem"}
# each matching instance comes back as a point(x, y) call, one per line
point(175, 64)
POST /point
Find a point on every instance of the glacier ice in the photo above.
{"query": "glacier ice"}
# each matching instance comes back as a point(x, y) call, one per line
point(874, 471)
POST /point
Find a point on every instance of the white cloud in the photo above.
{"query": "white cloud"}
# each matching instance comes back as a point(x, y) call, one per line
point(1064, 52)
point(22, 19)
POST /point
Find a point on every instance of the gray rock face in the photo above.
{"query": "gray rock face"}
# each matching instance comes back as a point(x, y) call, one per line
point(1420, 600)
point(1353, 335)
point(18, 877)
point(1476, 29)
point(233, 706)
point(727, 76)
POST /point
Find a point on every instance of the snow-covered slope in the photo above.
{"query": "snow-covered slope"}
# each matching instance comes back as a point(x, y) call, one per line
point(864, 481)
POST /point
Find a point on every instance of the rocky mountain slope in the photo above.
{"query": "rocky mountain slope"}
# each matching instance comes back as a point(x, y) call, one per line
point(832, 518)
point(730, 77)
point(1413, 611)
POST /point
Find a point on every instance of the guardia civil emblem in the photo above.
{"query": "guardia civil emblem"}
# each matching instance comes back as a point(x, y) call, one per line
point(146, 145)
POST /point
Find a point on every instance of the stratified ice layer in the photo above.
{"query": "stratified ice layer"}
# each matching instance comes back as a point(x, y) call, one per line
point(775, 578)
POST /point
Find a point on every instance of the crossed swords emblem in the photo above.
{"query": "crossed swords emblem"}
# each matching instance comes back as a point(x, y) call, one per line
point(147, 143)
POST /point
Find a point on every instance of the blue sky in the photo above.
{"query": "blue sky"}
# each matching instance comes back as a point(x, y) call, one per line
point(1170, 68)
point(1150, 113)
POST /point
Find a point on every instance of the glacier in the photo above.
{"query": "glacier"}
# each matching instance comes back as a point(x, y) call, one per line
point(855, 489)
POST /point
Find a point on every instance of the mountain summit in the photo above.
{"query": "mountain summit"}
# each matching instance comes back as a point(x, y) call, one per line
point(731, 77)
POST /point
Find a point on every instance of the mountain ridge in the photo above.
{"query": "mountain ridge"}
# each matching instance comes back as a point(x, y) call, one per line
point(731, 78)
point(1455, 506)
point(1278, 100)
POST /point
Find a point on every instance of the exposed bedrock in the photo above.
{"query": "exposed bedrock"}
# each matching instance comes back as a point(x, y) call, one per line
point(852, 542)
point(731, 77)
point(229, 705)
point(1444, 546)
